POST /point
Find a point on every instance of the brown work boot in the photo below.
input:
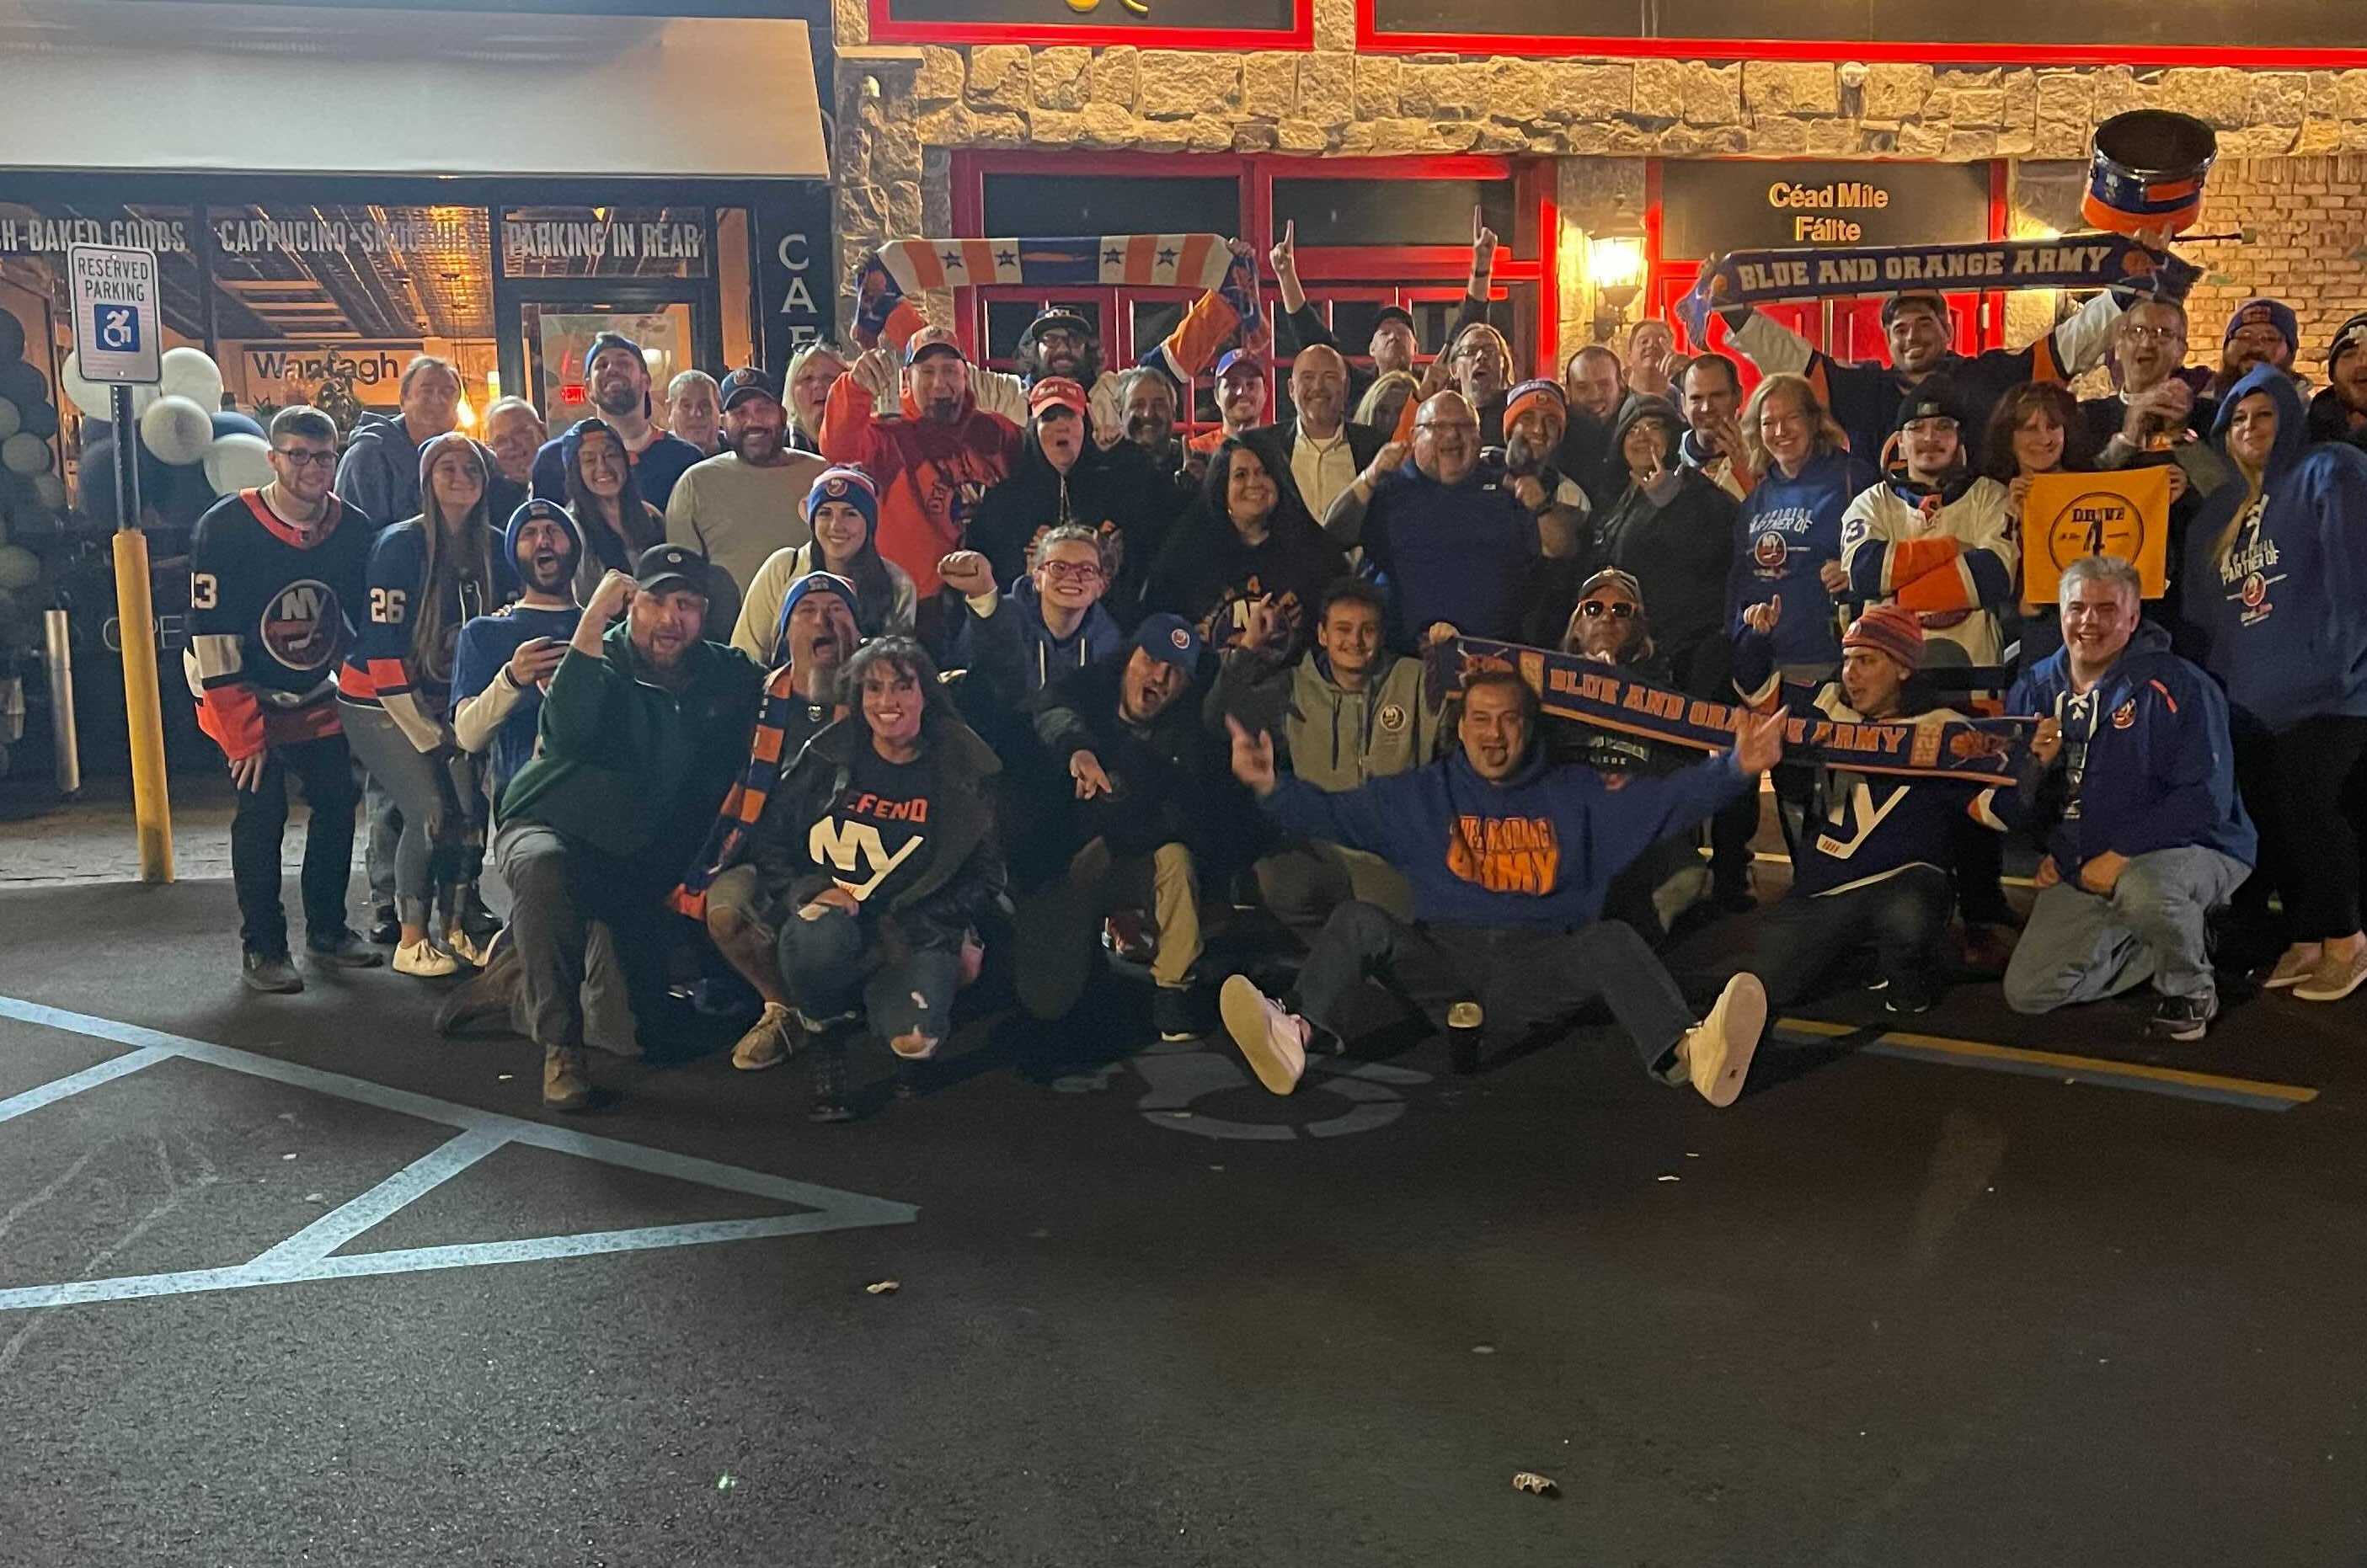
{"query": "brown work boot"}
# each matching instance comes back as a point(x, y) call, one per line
point(565, 1086)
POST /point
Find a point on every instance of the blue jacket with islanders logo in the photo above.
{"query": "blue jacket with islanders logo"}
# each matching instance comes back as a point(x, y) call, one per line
point(1538, 849)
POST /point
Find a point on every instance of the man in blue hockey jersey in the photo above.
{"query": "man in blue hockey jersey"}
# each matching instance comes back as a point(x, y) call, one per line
point(1510, 857)
point(2135, 784)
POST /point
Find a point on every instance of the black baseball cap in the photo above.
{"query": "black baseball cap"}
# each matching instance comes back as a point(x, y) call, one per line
point(749, 382)
point(1394, 313)
point(1933, 400)
point(670, 566)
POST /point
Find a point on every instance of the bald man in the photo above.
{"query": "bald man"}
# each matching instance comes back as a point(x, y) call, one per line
point(1318, 453)
point(1459, 540)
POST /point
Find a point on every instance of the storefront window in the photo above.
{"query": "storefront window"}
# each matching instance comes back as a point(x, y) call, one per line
point(1093, 204)
point(605, 242)
point(327, 304)
point(1378, 212)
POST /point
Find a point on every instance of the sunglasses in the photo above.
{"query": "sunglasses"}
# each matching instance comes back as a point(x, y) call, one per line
point(1618, 610)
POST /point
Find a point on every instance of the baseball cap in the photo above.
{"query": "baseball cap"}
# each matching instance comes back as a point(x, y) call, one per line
point(1394, 313)
point(1931, 297)
point(1171, 640)
point(1932, 400)
point(670, 566)
point(933, 340)
point(1056, 392)
point(602, 342)
point(1240, 356)
point(1067, 320)
point(749, 382)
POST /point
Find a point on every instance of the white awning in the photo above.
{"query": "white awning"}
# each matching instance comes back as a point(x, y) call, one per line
point(142, 85)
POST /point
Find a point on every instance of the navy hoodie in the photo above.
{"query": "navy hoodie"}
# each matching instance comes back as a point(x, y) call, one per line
point(1787, 529)
point(2282, 615)
point(1538, 850)
point(2146, 762)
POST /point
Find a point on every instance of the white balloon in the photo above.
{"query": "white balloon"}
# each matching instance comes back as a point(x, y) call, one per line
point(191, 373)
point(20, 568)
point(238, 461)
point(176, 431)
point(24, 453)
point(92, 397)
point(50, 491)
point(11, 420)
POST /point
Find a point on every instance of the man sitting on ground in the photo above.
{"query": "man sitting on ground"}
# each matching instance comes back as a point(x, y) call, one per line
point(2136, 786)
point(641, 731)
point(1510, 857)
point(802, 697)
point(1149, 784)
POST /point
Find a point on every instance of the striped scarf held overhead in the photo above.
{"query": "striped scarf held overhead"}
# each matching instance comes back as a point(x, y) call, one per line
point(736, 819)
point(889, 276)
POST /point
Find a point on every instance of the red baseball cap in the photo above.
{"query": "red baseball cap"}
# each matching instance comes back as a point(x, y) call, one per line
point(1056, 392)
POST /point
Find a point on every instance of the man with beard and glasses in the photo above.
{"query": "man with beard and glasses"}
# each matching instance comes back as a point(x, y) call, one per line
point(933, 466)
point(643, 728)
point(617, 374)
point(1457, 543)
point(505, 660)
point(1920, 327)
point(1319, 452)
point(802, 698)
point(2260, 332)
point(740, 507)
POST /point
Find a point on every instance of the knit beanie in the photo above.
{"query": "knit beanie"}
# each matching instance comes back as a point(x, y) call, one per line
point(1529, 394)
point(852, 486)
point(2264, 312)
point(1888, 628)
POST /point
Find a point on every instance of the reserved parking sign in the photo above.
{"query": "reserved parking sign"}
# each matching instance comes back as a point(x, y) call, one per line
point(116, 315)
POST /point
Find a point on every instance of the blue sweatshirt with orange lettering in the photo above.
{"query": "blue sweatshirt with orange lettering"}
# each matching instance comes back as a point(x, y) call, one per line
point(1538, 849)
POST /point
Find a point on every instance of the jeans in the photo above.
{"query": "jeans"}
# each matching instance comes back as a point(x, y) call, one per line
point(1520, 976)
point(421, 799)
point(1796, 940)
point(1303, 884)
point(382, 842)
point(833, 964)
point(2079, 946)
point(326, 770)
point(557, 889)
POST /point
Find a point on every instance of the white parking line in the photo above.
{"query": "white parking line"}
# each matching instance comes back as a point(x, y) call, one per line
point(307, 1255)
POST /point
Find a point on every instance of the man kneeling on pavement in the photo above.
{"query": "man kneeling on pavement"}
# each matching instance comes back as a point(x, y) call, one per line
point(1510, 857)
point(2134, 786)
point(641, 731)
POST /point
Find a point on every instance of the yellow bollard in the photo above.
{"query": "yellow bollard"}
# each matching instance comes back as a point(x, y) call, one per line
point(135, 616)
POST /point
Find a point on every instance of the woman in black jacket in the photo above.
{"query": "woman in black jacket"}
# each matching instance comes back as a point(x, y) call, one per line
point(1672, 530)
point(1245, 538)
point(878, 856)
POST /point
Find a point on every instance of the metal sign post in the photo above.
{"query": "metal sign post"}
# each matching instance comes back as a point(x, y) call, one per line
point(118, 330)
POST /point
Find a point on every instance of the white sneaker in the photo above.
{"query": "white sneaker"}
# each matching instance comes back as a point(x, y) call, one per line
point(1717, 1050)
point(1274, 1040)
point(468, 950)
point(425, 959)
point(769, 1040)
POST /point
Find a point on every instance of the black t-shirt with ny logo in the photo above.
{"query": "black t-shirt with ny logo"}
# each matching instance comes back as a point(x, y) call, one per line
point(873, 838)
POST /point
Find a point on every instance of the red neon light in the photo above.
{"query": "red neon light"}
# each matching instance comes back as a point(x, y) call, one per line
point(571, 392)
point(1300, 34)
point(1371, 40)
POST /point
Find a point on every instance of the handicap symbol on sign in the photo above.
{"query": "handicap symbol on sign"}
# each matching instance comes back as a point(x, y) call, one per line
point(116, 327)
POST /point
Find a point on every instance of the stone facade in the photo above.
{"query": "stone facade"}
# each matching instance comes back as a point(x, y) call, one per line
point(2280, 132)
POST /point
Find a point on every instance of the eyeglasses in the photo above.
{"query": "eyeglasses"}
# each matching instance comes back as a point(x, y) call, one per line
point(1447, 426)
point(1070, 571)
point(2154, 334)
point(1618, 610)
point(298, 458)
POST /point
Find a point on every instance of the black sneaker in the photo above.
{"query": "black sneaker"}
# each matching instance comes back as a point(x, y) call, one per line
point(385, 929)
point(342, 949)
point(2182, 1018)
point(271, 972)
point(1180, 1013)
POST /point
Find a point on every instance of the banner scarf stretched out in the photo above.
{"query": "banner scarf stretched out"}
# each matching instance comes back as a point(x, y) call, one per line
point(905, 268)
point(1604, 696)
point(2074, 261)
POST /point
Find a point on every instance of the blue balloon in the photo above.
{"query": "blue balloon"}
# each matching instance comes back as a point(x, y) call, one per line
point(229, 422)
point(39, 419)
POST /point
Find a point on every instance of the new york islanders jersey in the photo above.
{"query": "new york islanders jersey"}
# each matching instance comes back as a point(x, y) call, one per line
point(381, 663)
point(271, 612)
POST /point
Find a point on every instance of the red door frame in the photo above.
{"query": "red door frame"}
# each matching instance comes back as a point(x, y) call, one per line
point(1534, 200)
point(1988, 320)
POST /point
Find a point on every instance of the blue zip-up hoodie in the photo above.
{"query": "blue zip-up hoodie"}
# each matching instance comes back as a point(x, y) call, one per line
point(1787, 530)
point(2282, 615)
point(2150, 744)
point(1019, 614)
point(1539, 849)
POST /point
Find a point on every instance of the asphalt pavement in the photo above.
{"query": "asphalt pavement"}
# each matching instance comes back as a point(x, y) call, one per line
point(292, 1280)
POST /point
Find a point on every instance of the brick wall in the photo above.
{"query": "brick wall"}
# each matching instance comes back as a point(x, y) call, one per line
point(2307, 222)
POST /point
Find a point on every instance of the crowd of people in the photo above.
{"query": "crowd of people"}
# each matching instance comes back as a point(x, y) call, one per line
point(824, 697)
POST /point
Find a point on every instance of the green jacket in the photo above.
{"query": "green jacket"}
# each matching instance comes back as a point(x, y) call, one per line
point(629, 767)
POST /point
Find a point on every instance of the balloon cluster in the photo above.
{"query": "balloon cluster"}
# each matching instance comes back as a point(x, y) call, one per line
point(31, 492)
point(190, 453)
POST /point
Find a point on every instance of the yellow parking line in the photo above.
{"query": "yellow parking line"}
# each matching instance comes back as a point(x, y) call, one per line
point(2091, 1069)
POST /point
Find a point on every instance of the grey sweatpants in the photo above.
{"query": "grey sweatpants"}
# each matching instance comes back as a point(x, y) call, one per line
point(2079, 946)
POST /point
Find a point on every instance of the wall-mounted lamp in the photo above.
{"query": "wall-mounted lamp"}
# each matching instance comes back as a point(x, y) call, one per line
point(1615, 265)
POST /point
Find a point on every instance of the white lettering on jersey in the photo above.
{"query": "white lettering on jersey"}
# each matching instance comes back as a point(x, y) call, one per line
point(853, 846)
